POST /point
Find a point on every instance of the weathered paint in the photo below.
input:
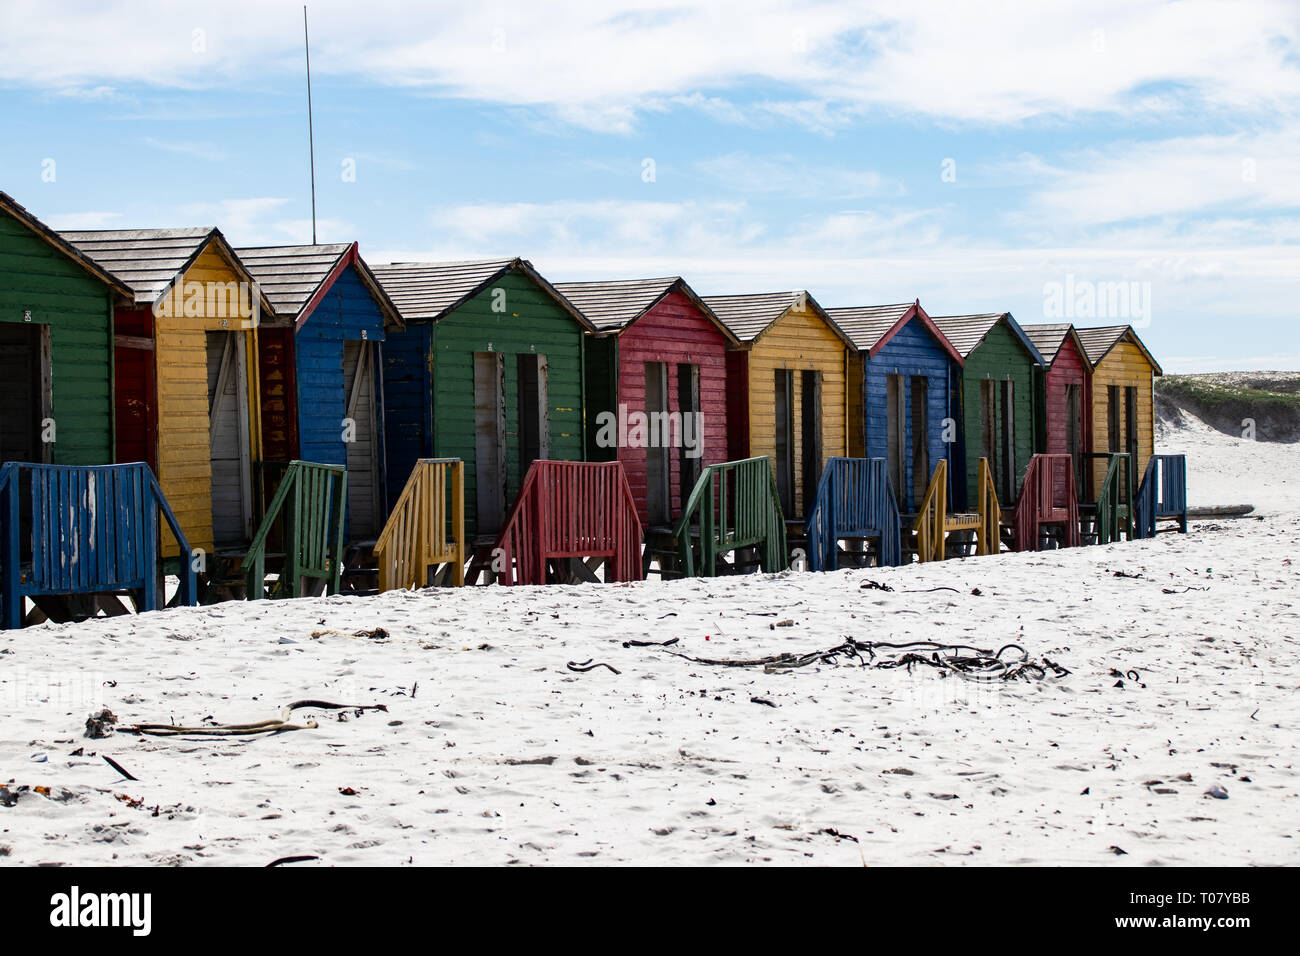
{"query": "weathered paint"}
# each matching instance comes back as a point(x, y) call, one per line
point(1069, 368)
point(673, 331)
point(347, 312)
point(184, 468)
point(1125, 365)
point(912, 351)
point(76, 309)
point(1000, 357)
point(800, 340)
point(429, 383)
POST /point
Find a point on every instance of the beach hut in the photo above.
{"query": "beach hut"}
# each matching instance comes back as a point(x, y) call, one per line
point(656, 387)
point(1064, 395)
point(56, 346)
point(1123, 406)
point(786, 389)
point(488, 369)
point(902, 387)
point(996, 400)
point(322, 398)
point(187, 384)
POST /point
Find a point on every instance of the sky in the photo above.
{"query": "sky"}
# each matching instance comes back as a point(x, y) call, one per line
point(1098, 162)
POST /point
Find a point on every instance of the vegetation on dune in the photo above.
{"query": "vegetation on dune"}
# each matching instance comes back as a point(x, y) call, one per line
point(1225, 400)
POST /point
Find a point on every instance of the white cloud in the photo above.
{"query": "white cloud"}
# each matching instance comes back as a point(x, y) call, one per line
point(1131, 181)
point(993, 62)
point(787, 175)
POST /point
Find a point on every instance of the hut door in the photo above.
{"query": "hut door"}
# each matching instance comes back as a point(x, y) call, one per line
point(1131, 425)
point(896, 425)
point(989, 424)
point(1074, 430)
point(1007, 443)
point(24, 366)
point(534, 423)
point(920, 436)
point(690, 459)
point(228, 433)
point(810, 408)
point(489, 440)
point(658, 468)
point(785, 439)
point(362, 444)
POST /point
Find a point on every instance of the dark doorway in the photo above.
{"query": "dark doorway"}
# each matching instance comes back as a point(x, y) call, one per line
point(896, 435)
point(21, 374)
point(489, 441)
point(534, 432)
point(810, 421)
point(1007, 443)
point(1131, 423)
point(785, 439)
point(691, 459)
point(1074, 430)
point(658, 474)
point(920, 436)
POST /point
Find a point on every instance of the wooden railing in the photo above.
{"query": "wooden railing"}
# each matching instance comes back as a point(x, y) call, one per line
point(1115, 500)
point(1047, 497)
point(313, 500)
point(934, 522)
point(854, 500)
point(426, 527)
point(90, 529)
point(733, 505)
point(1162, 494)
point(569, 509)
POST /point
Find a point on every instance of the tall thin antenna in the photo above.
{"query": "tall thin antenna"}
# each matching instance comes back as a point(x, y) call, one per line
point(311, 136)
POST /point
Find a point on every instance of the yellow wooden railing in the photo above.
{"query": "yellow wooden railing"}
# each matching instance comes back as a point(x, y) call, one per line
point(426, 527)
point(934, 521)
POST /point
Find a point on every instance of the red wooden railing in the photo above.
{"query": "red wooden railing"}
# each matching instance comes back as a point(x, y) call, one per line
point(570, 509)
point(1047, 497)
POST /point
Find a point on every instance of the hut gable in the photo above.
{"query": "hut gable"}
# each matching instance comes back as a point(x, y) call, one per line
point(482, 340)
point(613, 305)
point(998, 399)
point(55, 344)
point(871, 328)
point(660, 349)
point(787, 387)
point(188, 285)
point(902, 379)
point(968, 332)
point(296, 278)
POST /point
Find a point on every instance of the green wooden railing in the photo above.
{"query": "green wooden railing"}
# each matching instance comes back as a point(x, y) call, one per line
point(312, 499)
point(1115, 500)
point(733, 505)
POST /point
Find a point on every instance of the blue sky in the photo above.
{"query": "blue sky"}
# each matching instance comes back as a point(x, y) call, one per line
point(975, 156)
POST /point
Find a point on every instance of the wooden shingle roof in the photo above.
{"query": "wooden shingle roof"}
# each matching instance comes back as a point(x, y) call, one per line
point(966, 332)
point(872, 326)
point(867, 325)
point(612, 305)
point(295, 278)
point(749, 316)
point(1048, 339)
point(426, 291)
point(62, 245)
point(147, 260)
point(1099, 340)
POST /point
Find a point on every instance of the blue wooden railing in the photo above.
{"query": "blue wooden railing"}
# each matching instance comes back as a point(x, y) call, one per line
point(1162, 494)
point(90, 529)
point(854, 500)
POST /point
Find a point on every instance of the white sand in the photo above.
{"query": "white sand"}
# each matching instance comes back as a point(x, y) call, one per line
point(502, 755)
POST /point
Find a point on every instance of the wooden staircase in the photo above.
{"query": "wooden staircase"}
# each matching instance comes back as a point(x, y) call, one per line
point(942, 534)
